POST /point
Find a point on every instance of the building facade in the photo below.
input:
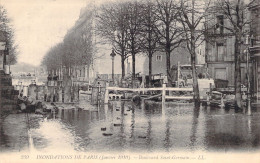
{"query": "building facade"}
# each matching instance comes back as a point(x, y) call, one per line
point(220, 51)
point(180, 55)
point(254, 48)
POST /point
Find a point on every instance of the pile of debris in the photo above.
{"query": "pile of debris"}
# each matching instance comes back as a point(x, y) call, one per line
point(29, 105)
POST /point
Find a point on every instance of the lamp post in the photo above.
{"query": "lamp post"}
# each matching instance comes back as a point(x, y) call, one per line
point(113, 54)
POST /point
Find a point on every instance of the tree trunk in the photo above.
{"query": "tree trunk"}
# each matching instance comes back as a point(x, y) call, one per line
point(123, 66)
point(195, 81)
point(238, 98)
point(168, 53)
point(133, 70)
point(194, 72)
point(168, 66)
point(150, 57)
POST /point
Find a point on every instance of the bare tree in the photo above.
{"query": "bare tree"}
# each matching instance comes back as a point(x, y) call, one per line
point(235, 12)
point(192, 13)
point(150, 38)
point(168, 29)
point(84, 39)
point(76, 50)
point(7, 27)
point(52, 60)
point(134, 28)
point(112, 25)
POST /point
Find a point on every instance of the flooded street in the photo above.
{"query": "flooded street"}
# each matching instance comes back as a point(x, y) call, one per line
point(124, 127)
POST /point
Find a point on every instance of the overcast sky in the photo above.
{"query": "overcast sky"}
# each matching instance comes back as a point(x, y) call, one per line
point(40, 24)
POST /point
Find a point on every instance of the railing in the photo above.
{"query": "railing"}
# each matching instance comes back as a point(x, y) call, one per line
point(163, 89)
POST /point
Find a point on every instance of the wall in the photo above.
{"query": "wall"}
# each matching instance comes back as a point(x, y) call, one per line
point(158, 67)
point(8, 96)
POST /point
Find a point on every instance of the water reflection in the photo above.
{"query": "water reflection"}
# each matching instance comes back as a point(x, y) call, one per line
point(195, 121)
point(123, 126)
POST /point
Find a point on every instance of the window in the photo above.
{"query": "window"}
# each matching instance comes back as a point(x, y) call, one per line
point(220, 51)
point(158, 58)
point(220, 24)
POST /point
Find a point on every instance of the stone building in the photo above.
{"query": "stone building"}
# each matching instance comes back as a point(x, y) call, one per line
point(220, 50)
point(255, 45)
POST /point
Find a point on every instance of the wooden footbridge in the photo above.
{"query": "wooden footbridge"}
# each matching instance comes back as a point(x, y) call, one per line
point(164, 89)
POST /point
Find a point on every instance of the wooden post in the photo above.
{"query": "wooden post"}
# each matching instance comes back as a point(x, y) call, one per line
point(163, 101)
point(163, 98)
point(106, 94)
point(222, 101)
point(178, 75)
point(163, 93)
point(143, 82)
point(208, 98)
point(210, 89)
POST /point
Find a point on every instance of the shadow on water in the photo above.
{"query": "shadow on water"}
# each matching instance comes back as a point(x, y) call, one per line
point(195, 121)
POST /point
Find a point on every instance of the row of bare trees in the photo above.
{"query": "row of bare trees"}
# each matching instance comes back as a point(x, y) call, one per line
point(5, 26)
point(150, 26)
point(76, 49)
point(147, 26)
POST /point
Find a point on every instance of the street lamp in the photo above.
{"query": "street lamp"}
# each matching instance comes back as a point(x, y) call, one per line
point(113, 54)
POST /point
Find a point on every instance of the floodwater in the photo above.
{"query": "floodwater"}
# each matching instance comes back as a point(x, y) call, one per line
point(130, 128)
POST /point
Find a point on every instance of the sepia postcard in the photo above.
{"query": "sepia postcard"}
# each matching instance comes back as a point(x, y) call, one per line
point(129, 81)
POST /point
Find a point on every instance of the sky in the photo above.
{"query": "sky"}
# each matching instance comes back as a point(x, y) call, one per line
point(40, 24)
